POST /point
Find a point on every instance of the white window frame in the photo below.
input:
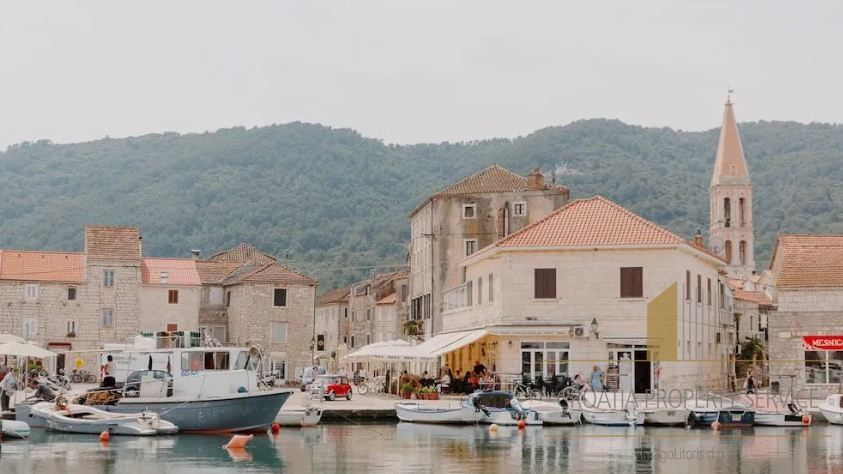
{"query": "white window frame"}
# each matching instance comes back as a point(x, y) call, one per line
point(108, 277)
point(523, 212)
point(465, 246)
point(273, 337)
point(110, 313)
point(473, 209)
point(31, 292)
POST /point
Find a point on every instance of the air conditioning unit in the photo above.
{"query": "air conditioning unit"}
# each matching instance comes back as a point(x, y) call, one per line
point(579, 331)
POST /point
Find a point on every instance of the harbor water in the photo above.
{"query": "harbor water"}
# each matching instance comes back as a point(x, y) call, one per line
point(412, 448)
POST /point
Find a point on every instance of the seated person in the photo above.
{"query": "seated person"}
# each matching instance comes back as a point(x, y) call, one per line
point(42, 391)
point(444, 383)
point(578, 382)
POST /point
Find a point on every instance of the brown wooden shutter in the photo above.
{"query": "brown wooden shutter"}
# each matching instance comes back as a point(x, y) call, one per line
point(632, 282)
point(545, 282)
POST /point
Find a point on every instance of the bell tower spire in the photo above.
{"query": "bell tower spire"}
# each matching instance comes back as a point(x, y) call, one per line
point(730, 198)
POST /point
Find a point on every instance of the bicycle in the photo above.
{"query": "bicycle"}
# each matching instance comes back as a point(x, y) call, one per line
point(522, 391)
point(363, 387)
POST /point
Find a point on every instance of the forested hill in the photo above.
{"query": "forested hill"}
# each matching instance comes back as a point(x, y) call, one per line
point(334, 204)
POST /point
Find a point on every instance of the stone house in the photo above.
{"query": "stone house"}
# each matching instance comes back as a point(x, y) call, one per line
point(593, 281)
point(806, 329)
point(264, 303)
point(169, 295)
point(331, 313)
point(373, 317)
point(460, 220)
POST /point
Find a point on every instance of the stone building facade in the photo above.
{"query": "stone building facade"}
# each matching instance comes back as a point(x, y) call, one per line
point(331, 316)
point(373, 315)
point(464, 218)
point(806, 329)
point(169, 295)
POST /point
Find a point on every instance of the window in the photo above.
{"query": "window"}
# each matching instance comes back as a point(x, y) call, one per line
point(469, 211)
point(403, 293)
point(352, 341)
point(722, 296)
point(216, 360)
point(227, 299)
point(369, 314)
point(345, 339)
point(824, 367)
point(71, 327)
point(173, 297)
point(491, 288)
point(345, 312)
point(368, 339)
point(480, 291)
point(728, 248)
point(699, 288)
point(469, 293)
point(108, 278)
point(687, 285)
point(172, 327)
point(354, 315)
point(31, 292)
point(741, 212)
point(709, 291)
point(545, 283)
point(632, 282)
point(470, 246)
point(193, 361)
point(519, 209)
point(727, 212)
point(280, 297)
point(742, 252)
point(278, 332)
point(215, 296)
point(30, 328)
point(544, 359)
point(71, 294)
point(107, 319)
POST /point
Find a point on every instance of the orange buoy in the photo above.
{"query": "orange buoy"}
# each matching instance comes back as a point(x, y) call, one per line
point(493, 427)
point(522, 423)
point(275, 428)
point(105, 436)
point(239, 441)
point(716, 425)
point(806, 420)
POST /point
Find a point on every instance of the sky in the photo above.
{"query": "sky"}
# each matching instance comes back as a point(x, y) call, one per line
point(409, 72)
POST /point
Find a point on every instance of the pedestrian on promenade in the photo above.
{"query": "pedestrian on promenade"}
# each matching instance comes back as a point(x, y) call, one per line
point(7, 388)
point(749, 385)
point(596, 379)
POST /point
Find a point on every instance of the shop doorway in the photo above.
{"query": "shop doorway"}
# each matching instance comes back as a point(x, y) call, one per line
point(634, 370)
point(643, 372)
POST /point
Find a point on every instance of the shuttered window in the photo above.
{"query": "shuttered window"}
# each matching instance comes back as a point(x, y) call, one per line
point(280, 297)
point(632, 282)
point(699, 288)
point(688, 285)
point(545, 282)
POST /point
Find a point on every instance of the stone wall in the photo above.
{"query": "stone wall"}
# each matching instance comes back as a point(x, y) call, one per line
point(157, 312)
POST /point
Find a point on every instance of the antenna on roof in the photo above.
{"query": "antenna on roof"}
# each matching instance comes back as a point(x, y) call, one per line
point(729, 92)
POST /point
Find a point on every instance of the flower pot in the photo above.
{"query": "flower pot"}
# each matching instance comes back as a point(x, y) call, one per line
point(406, 395)
point(434, 396)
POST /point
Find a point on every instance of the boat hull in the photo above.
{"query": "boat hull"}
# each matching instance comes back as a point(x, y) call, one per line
point(511, 418)
point(782, 419)
point(14, 429)
point(704, 418)
point(232, 413)
point(417, 413)
point(571, 417)
point(736, 418)
point(309, 417)
point(665, 417)
point(88, 420)
point(23, 412)
point(835, 417)
point(612, 418)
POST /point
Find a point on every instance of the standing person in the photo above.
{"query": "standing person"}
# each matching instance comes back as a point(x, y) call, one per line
point(750, 383)
point(108, 372)
point(479, 369)
point(7, 387)
point(446, 370)
point(596, 379)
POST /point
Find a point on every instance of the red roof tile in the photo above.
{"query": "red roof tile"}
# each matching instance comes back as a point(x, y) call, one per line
point(594, 221)
point(388, 300)
point(809, 261)
point(213, 273)
point(273, 273)
point(113, 243)
point(179, 271)
point(59, 267)
point(243, 253)
point(339, 295)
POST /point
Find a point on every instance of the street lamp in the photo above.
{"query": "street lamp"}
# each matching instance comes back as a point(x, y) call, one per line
point(594, 328)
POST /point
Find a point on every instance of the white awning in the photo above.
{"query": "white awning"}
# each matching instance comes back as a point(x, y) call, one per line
point(445, 343)
point(25, 350)
point(381, 351)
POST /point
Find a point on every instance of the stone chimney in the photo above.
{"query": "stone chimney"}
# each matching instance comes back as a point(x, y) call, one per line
point(196, 253)
point(535, 180)
point(698, 240)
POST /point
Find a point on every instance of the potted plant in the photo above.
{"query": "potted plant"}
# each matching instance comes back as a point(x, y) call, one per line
point(407, 390)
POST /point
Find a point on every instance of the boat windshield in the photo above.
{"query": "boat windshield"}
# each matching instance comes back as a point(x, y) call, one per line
point(247, 362)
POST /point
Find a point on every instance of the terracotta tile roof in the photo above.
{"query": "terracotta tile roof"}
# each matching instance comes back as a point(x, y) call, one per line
point(243, 253)
point(272, 273)
point(594, 221)
point(387, 300)
point(809, 261)
point(213, 273)
point(112, 243)
point(339, 295)
point(180, 271)
point(59, 267)
point(758, 297)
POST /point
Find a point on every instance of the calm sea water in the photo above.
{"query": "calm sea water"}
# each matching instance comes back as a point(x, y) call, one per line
point(408, 448)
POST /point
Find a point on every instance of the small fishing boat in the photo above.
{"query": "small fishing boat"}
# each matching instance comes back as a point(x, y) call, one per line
point(770, 412)
point(736, 417)
point(565, 416)
point(610, 409)
point(501, 408)
point(85, 419)
point(832, 409)
point(307, 417)
point(664, 416)
point(14, 429)
point(728, 413)
point(418, 413)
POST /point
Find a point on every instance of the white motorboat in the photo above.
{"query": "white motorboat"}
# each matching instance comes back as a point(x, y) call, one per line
point(14, 429)
point(832, 409)
point(307, 417)
point(501, 408)
point(771, 411)
point(90, 420)
point(610, 409)
point(565, 416)
point(664, 415)
point(418, 413)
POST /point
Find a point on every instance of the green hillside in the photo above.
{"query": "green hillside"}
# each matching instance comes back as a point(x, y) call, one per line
point(334, 204)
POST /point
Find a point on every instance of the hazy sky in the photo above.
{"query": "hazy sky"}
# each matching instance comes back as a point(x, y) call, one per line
point(410, 71)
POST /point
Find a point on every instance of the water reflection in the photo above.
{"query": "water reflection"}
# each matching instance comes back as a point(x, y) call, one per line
point(414, 448)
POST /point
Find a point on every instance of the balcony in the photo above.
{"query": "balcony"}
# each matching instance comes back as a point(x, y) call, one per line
point(456, 299)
